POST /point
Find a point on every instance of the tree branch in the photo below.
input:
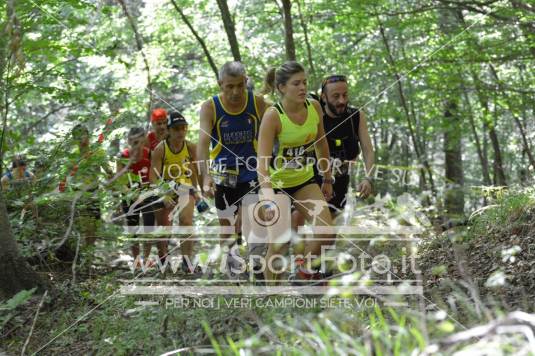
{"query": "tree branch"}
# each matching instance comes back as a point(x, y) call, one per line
point(307, 42)
point(288, 30)
point(33, 324)
point(42, 118)
point(229, 29)
point(139, 44)
point(199, 39)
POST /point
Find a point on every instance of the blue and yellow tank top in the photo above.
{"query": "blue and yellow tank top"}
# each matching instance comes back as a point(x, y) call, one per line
point(234, 139)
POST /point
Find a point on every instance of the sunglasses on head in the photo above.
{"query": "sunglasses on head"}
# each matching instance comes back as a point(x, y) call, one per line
point(333, 79)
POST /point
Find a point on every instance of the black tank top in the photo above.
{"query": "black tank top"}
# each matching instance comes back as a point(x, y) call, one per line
point(342, 134)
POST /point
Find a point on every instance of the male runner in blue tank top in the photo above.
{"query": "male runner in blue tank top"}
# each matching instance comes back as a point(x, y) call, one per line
point(228, 136)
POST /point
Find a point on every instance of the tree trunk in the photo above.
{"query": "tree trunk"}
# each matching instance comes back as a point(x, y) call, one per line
point(16, 274)
point(485, 143)
point(198, 38)
point(229, 29)
point(481, 155)
point(5, 57)
point(288, 30)
point(454, 194)
point(139, 45)
point(499, 172)
point(308, 46)
point(527, 102)
point(449, 24)
point(4, 105)
point(406, 163)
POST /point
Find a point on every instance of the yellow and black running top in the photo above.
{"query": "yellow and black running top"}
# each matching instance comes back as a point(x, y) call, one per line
point(176, 166)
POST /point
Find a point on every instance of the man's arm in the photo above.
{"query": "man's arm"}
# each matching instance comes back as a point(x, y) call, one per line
point(192, 148)
point(102, 160)
point(120, 169)
point(368, 155)
point(366, 145)
point(322, 153)
point(155, 172)
point(32, 177)
point(5, 183)
point(107, 168)
point(203, 147)
point(261, 106)
point(119, 165)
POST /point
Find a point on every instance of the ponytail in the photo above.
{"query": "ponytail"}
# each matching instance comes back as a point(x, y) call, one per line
point(269, 82)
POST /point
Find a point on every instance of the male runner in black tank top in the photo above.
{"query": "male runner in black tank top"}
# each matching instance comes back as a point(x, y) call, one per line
point(346, 129)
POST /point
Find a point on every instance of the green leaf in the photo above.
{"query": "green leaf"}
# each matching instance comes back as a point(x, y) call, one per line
point(18, 299)
point(419, 338)
point(446, 326)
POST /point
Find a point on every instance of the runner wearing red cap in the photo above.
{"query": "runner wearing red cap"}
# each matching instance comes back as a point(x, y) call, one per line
point(158, 121)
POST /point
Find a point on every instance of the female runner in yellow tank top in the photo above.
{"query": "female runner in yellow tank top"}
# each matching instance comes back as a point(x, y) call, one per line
point(289, 130)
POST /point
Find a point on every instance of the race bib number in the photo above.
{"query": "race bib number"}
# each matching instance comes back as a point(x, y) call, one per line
point(294, 157)
point(225, 176)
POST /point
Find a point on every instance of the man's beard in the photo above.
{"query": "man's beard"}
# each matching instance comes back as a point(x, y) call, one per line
point(337, 112)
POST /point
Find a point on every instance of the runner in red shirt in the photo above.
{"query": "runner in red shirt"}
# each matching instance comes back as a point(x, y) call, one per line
point(137, 158)
point(158, 120)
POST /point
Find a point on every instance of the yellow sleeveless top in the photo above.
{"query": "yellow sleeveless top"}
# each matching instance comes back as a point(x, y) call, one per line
point(290, 165)
point(176, 166)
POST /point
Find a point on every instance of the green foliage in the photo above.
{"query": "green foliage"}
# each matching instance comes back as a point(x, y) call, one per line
point(510, 208)
point(80, 64)
point(7, 308)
